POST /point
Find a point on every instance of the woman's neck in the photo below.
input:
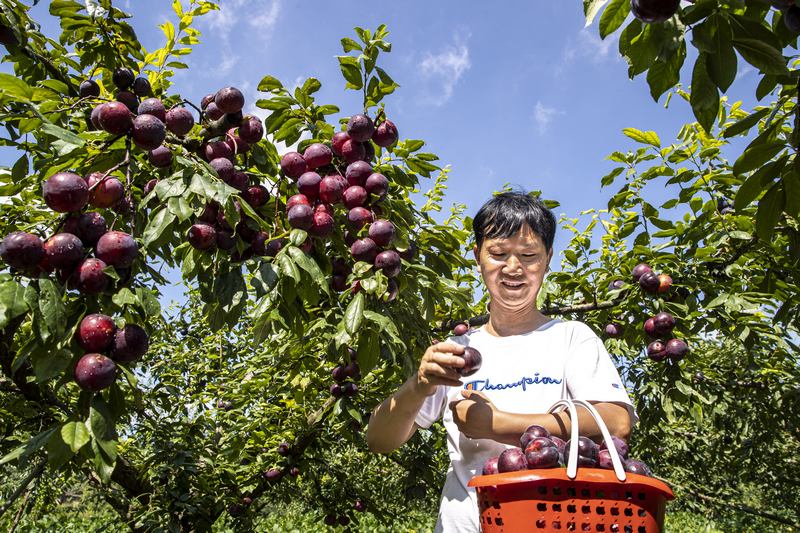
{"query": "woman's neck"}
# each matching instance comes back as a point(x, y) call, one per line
point(503, 323)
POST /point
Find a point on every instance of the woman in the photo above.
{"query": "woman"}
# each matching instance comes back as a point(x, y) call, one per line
point(529, 362)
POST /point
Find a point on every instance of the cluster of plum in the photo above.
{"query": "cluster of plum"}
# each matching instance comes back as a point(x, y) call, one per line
point(344, 372)
point(97, 333)
point(539, 449)
point(67, 254)
point(656, 326)
point(211, 229)
point(332, 520)
point(342, 175)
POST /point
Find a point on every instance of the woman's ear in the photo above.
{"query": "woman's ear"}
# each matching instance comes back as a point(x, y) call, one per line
point(477, 255)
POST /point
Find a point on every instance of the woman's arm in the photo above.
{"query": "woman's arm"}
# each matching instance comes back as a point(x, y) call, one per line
point(478, 418)
point(392, 422)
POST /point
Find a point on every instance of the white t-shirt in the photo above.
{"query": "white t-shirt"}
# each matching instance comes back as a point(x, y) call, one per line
point(520, 374)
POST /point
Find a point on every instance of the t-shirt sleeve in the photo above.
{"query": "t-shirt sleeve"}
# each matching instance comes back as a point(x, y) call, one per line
point(432, 408)
point(590, 372)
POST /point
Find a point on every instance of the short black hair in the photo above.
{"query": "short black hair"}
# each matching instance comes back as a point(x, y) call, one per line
point(505, 213)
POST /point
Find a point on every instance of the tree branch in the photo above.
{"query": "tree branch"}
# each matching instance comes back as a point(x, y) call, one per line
point(35, 473)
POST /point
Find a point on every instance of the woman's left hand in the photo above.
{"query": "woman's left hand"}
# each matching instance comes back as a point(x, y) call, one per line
point(475, 415)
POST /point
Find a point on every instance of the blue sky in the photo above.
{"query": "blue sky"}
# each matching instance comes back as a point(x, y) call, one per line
point(518, 92)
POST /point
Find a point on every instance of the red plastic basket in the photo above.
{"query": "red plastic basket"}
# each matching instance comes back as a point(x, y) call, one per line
point(572, 499)
point(548, 500)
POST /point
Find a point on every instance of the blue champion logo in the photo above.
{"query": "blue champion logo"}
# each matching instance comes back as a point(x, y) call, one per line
point(485, 384)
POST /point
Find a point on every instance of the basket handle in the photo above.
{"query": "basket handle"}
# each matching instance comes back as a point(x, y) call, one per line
point(572, 461)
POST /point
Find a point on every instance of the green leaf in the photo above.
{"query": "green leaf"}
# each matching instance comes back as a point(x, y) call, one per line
point(643, 137)
point(636, 46)
point(755, 156)
point(744, 125)
point(613, 16)
point(354, 314)
point(757, 182)
point(762, 56)
point(268, 83)
point(368, 350)
point(310, 266)
point(51, 305)
point(704, 97)
point(14, 86)
point(12, 301)
point(721, 57)
point(75, 435)
point(791, 184)
point(348, 45)
point(351, 71)
point(665, 74)
point(769, 212)
point(287, 266)
point(60, 133)
point(591, 8)
point(157, 225)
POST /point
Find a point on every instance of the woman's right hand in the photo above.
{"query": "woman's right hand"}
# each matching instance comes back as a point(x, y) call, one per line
point(438, 367)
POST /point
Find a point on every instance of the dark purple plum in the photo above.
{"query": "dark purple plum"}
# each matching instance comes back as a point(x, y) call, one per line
point(104, 192)
point(218, 149)
point(472, 358)
point(389, 263)
point(369, 152)
point(616, 285)
point(649, 282)
point(22, 251)
point(130, 344)
point(360, 127)
point(202, 236)
point(317, 155)
point(251, 130)
point(96, 332)
point(349, 389)
point(354, 196)
point(409, 253)
point(153, 106)
point(95, 372)
point(301, 216)
point(297, 199)
point(223, 167)
point(364, 250)
point(613, 330)
point(148, 132)
point(115, 118)
point(65, 192)
point(141, 87)
point(676, 349)
point(160, 157)
point(122, 77)
point(587, 451)
point(385, 134)
point(640, 269)
point(323, 224)
point(619, 444)
point(541, 452)
point(358, 217)
point(377, 185)
point(62, 251)
point(656, 351)
point(179, 121)
point(331, 189)
point(129, 99)
point(88, 88)
point(256, 196)
point(88, 226)
point(358, 172)
point(460, 329)
point(533, 432)
point(490, 466)
point(90, 276)
point(308, 185)
point(94, 117)
point(338, 141)
point(239, 180)
point(353, 151)
point(604, 460)
point(635, 466)
point(650, 328)
point(213, 112)
point(382, 232)
point(229, 100)
point(511, 460)
point(654, 11)
point(293, 164)
point(117, 248)
point(663, 323)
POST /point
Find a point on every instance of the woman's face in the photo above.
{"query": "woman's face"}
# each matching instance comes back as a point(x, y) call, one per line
point(513, 269)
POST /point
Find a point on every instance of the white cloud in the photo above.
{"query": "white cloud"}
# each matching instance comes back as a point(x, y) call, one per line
point(544, 115)
point(445, 68)
point(262, 14)
point(588, 45)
